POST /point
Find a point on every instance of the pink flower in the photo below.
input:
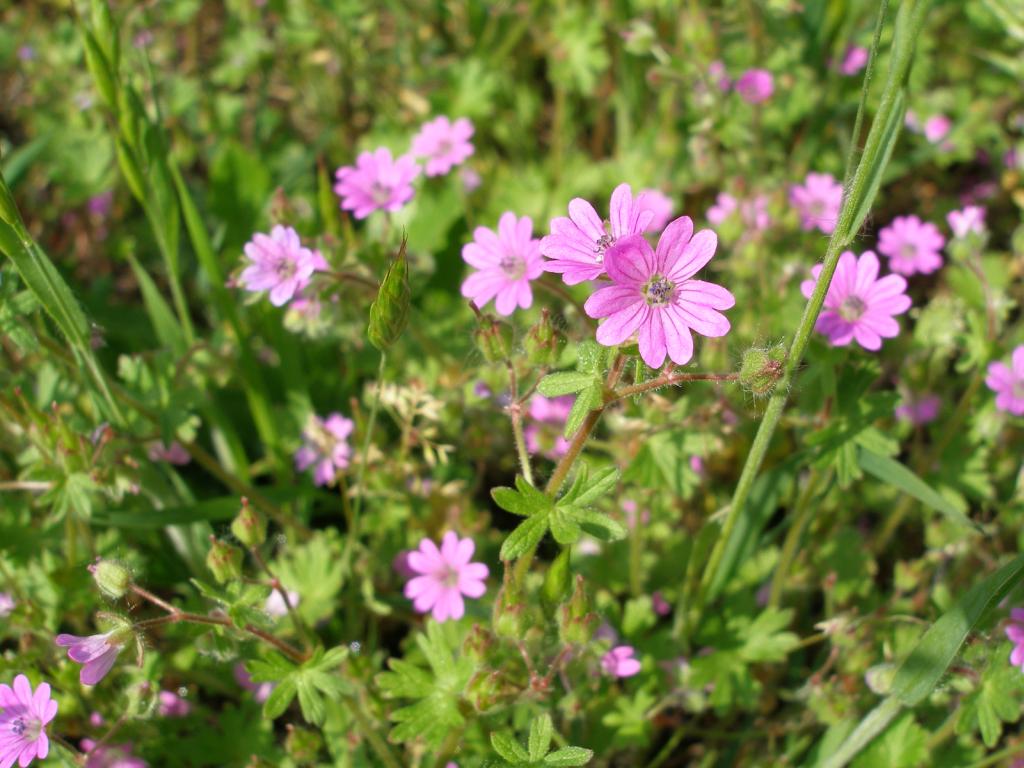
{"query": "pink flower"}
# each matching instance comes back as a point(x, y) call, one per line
point(854, 61)
point(653, 292)
point(1015, 631)
point(725, 205)
point(619, 662)
point(817, 201)
point(7, 604)
point(110, 755)
point(506, 261)
point(172, 705)
point(858, 305)
point(547, 417)
point(716, 71)
point(754, 213)
point(23, 722)
point(376, 183)
point(326, 446)
point(445, 575)
point(697, 464)
point(470, 179)
point(279, 263)
point(964, 222)
point(912, 245)
point(175, 453)
point(936, 127)
point(1008, 383)
point(260, 691)
point(919, 411)
point(755, 86)
point(445, 144)
point(275, 604)
point(660, 604)
point(96, 653)
point(660, 206)
point(577, 245)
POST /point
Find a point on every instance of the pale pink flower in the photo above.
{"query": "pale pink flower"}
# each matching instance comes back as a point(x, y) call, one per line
point(444, 144)
point(855, 59)
point(936, 127)
point(964, 222)
point(23, 721)
point(754, 213)
point(275, 604)
point(471, 179)
point(1007, 381)
point(547, 419)
point(716, 71)
point(859, 306)
point(913, 246)
point(1015, 632)
point(577, 245)
point(659, 204)
point(919, 410)
point(172, 705)
point(280, 264)
point(260, 691)
point(912, 121)
point(506, 261)
point(7, 604)
point(619, 662)
point(174, 453)
point(661, 606)
point(654, 293)
point(376, 183)
point(755, 86)
point(96, 653)
point(817, 201)
point(697, 464)
point(325, 446)
point(110, 755)
point(445, 575)
point(725, 205)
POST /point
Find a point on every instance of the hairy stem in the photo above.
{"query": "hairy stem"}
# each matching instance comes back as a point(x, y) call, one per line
point(515, 414)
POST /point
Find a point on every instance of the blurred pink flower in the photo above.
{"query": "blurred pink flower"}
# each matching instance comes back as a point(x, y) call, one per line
point(725, 205)
point(1007, 381)
point(445, 575)
point(7, 604)
point(912, 245)
point(96, 653)
point(619, 662)
point(544, 432)
point(275, 604)
point(936, 127)
point(260, 691)
point(660, 604)
point(653, 293)
point(175, 453)
point(855, 59)
point(400, 564)
point(1015, 632)
point(172, 705)
point(23, 721)
point(279, 263)
point(577, 245)
point(660, 206)
point(697, 464)
point(444, 144)
point(859, 306)
point(470, 179)
point(817, 201)
point(110, 755)
point(754, 213)
point(919, 410)
point(716, 71)
point(755, 86)
point(376, 183)
point(506, 261)
point(963, 222)
point(326, 446)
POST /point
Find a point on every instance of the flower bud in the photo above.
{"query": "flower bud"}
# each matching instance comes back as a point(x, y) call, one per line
point(507, 619)
point(761, 369)
point(224, 561)
point(575, 621)
point(478, 642)
point(389, 312)
point(557, 580)
point(249, 526)
point(112, 578)
point(487, 688)
point(302, 744)
point(494, 339)
point(879, 678)
point(541, 343)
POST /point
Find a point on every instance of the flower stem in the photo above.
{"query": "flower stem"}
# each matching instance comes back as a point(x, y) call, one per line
point(297, 622)
point(515, 414)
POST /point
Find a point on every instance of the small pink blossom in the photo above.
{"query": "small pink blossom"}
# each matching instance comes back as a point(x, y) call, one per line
point(174, 453)
point(619, 662)
point(275, 604)
point(547, 419)
point(725, 205)
point(7, 604)
point(919, 410)
point(471, 179)
point(506, 261)
point(936, 127)
point(912, 121)
point(859, 306)
point(1015, 632)
point(280, 264)
point(755, 86)
point(376, 183)
point(260, 691)
point(913, 246)
point(717, 72)
point(659, 204)
point(654, 293)
point(23, 721)
point(444, 144)
point(754, 213)
point(445, 575)
point(325, 447)
point(817, 201)
point(577, 245)
point(660, 604)
point(172, 705)
point(1007, 381)
point(110, 755)
point(855, 59)
point(964, 222)
point(697, 464)
point(96, 653)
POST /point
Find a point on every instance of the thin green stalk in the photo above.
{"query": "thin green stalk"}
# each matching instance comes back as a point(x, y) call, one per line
point(802, 514)
point(515, 414)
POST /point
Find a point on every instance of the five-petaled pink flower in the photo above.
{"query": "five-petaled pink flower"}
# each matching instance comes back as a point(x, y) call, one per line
point(577, 245)
point(755, 86)
point(859, 306)
point(855, 59)
point(96, 653)
point(23, 722)
point(506, 260)
point(544, 432)
point(724, 207)
point(817, 201)
point(279, 263)
point(653, 292)
point(964, 222)
point(919, 410)
point(325, 446)
point(1015, 632)
point(912, 245)
point(659, 204)
point(444, 576)
point(1007, 381)
point(172, 705)
point(619, 662)
point(376, 182)
point(444, 144)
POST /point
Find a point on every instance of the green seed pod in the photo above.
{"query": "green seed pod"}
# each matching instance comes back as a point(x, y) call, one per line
point(541, 343)
point(557, 580)
point(575, 621)
point(224, 561)
point(478, 642)
point(389, 312)
point(112, 578)
point(249, 526)
point(494, 339)
point(761, 369)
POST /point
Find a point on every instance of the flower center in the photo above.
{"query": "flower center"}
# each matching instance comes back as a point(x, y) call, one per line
point(512, 265)
point(852, 308)
point(27, 729)
point(908, 251)
point(380, 193)
point(449, 577)
point(285, 268)
point(445, 148)
point(601, 245)
point(659, 291)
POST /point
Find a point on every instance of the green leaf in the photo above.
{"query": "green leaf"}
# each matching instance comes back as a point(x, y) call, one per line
point(600, 484)
point(995, 701)
point(904, 744)
point(873, 180)
point(166, 325)
point(310, 701)
point(279, 699)
point(566, 382)
point(541, 731)
point(569, 756)
point(872, 724)
point(563, 526)
point(512, 501)
point(525, 537)
point(894, 473)
point(587, 400)
point(603, 527)
point(389, 312)
point(505, 744)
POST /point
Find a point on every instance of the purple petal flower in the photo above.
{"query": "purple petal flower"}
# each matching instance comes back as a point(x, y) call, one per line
point(325, 447)
point(913, 246)
point(376, 183)
point(443, 576)
point(755, 86)
point(110, 755)
point(7, 604)
point(260, 691)
point(725, 205)
point(23, 722)
point(817, 201)
point(855, 60)
point(444, 144)
point(173, 705)
point(659, 204)
point(547, 419)
point(919, 410)
point(1007, 381)
point(964, 222)
point(506, 261)
point(619, 662)
point(936, 127)
point(279, 263)
point(96, 654)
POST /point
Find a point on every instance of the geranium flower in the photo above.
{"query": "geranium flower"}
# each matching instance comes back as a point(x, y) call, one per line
point(506, 260)
point(817, 201)
point(1015, 632)
point(110, 755)
point(919, 410)
point(913, 246)
point(855, 59)
point(376, 183)
point(543, 434)
point(444, 576)
point(444, 144)
point(755, 86)
point(172, 705)
point(1007, 381)
point(23, 722)
point(659, 204)
point(325, 446)
point(619, 661)
point(279, 263)
point(96, 653)
point(964, 222)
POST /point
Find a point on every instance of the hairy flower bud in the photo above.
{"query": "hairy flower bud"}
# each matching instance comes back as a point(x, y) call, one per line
point(507, 618)
point(249, 526)
point(478, 642)
point(112, 578)
point(557, 580)
point(541, 343)
point(575, 621)
point(762, 368)
point(493, 338)
point(224, 560)
point(488, 688)
point(389, 312)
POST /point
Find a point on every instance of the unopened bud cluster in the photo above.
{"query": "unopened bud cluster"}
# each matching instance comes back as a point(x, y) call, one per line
point(762, 368)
